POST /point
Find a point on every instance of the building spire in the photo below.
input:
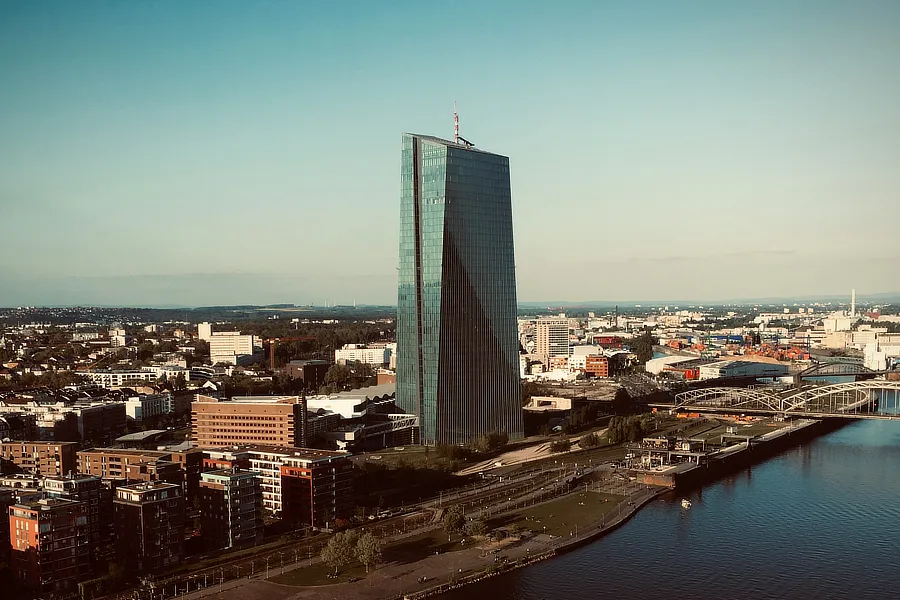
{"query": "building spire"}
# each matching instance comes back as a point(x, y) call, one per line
point(455, 123)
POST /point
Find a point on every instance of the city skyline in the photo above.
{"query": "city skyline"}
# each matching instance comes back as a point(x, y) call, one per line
point(711, 151)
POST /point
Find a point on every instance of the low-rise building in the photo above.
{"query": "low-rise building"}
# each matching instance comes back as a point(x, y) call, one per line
point(119, 466)
point(117, 379)
point(231, 508)
point(598, 366)
point(742, 368)
point(149, 525)
point(50, 544)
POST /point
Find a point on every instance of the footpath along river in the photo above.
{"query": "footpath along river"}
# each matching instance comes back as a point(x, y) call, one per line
point(820, 521)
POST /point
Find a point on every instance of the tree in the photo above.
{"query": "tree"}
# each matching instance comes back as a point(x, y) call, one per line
point(622, 400)
point(477, 527)
point(491, 442)
point(642, 346)
point(368, 550)
point(563, 445)
point(338, 375)
point(340, 550)
point(589, 441)
point(454, 521)
point(180, 382)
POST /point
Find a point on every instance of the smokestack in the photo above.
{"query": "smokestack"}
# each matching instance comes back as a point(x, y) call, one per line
point(853, 303)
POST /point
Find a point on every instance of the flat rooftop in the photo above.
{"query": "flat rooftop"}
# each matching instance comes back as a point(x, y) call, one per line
point(140, 436)
point(285, 451)
point(125, 452)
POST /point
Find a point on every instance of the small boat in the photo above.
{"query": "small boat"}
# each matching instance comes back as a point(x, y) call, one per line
point(685, 503)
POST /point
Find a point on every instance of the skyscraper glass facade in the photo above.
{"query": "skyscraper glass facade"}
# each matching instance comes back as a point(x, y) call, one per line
point(457, 339)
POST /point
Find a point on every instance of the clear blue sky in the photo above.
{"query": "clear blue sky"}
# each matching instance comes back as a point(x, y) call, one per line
point(212, 152)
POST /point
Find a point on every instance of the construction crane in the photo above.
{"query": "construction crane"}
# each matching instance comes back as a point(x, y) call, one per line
point(273, 344)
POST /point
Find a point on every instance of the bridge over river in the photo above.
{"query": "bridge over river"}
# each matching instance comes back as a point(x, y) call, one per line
point(871, 399)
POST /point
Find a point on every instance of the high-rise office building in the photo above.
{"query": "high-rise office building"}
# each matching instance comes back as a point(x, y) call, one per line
point(457, 344)
point(552, 336)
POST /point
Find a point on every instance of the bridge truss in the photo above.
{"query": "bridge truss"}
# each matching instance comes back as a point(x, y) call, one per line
point(834, 369)
point(858, 399)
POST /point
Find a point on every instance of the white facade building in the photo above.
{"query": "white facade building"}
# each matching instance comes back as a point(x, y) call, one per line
point(352, 353)
point(151, 405)
point(204, 331)
point(229, 347)
point(110, 379)
point(884, 353)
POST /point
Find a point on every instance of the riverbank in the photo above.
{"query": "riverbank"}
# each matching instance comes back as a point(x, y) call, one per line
point(626, 509)
point(738, 456)
point(682, 478)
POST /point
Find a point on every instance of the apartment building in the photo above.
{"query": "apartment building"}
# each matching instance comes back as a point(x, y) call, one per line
point(50, 544)
point(317, 487)
point(97, 499)
point(40, 458)
point(329, 496)
point(119, 466)
point(231, 508)
point(552, 336)
point(149, 525)
point(247, 420)
point(115, 379)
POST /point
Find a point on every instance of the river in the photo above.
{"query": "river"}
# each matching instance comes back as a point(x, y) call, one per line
point(820, 521)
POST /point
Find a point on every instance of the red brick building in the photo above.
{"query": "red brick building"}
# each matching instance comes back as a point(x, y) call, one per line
point(598, 366)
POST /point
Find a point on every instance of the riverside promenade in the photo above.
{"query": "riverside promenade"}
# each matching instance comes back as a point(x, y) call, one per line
point(440, 572)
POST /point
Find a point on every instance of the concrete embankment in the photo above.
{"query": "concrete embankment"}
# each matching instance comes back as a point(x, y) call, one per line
point(742, 455)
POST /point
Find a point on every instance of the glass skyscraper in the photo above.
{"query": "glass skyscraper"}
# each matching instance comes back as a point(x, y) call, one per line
point(457, 337)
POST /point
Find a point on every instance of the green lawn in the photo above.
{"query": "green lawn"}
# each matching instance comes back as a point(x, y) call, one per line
point(404, 552)
point(422, 546)
point(318, 574)
point(561, 517)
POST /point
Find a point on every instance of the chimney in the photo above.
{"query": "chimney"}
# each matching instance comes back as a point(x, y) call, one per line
point(853, 303)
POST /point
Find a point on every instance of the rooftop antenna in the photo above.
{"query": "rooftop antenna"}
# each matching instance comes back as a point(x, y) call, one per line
point(455, 123)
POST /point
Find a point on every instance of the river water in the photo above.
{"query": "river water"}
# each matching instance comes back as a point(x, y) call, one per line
point(820, 521)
